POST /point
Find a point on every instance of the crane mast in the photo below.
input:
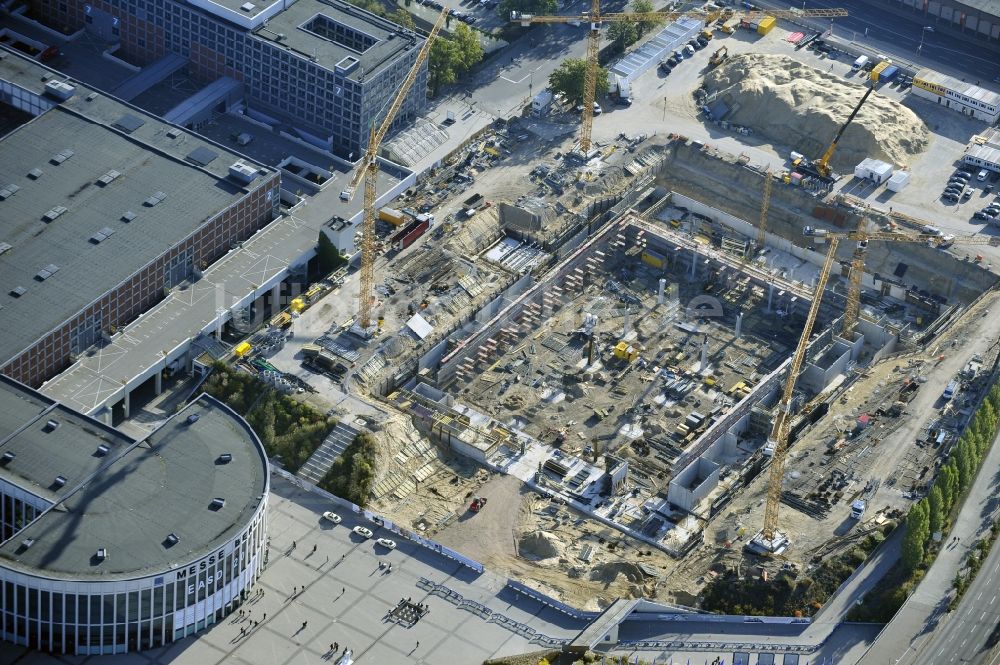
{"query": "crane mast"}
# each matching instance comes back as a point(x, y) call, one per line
point(369, 171)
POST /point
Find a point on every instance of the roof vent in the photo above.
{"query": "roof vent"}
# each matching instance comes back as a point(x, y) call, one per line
point(91, 97)
point(102, 235)
point(155, 199)
point(218, 503)
point(51, 425)
point(192, 419)
point(8, 191)
point(102, 553)
point(243, 172)
point(128, 216)
point(171, 540)
point(62, 156)
point(26, 543)
point(18, 291)
point(108, 178)
point(248, 6)
point(102, 450)
point(7, 458)
point(174, 133)
point(225, 458)
point(60, 90)
point(5, 246)
point(51, 215)
point(59, 481)
point(35, 174)
point(46, 272)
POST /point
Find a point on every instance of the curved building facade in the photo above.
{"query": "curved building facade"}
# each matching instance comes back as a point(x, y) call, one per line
point(112, 544)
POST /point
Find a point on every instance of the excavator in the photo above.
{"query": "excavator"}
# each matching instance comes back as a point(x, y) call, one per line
point(719, 56)
point(821, 167)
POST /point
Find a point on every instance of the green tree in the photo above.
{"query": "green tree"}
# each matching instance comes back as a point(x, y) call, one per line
point(917, 524)
point(452, 57)
point(948, 483)
point(403, 18)
point(965, 465)
point(644, 7)
point(936, 504)
point(506, 7)
point(624, 33)
point(568, 79)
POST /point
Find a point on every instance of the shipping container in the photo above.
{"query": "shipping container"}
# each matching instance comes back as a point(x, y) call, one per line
point(405, 237)
point(242, 349)
point(392, 216)
point(878, 69)
point(766, 25)
point(889, 73)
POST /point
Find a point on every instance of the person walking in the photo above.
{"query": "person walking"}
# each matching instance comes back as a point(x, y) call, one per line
point(314, 549)
point(304, 624)
point(336, 647)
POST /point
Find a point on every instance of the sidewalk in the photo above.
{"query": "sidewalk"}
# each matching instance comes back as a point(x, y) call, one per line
point(912, 627)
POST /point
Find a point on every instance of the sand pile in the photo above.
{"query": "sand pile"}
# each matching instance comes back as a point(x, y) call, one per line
point(797, 106)
point(609, 572)
point(539, 545)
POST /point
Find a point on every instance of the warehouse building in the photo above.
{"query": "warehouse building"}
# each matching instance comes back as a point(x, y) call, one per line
point(112, 544)
point(978, 19)
point(951, 92)
point(325, 67)
point(105, 210)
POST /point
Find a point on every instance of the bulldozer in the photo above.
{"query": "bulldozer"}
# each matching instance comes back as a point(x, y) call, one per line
point(477, 504)
point(719, 56)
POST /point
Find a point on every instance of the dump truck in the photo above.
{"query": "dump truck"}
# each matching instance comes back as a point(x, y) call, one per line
point(729, 27)
point(858, 509)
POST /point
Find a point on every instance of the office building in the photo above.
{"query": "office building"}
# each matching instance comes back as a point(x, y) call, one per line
point(104, 209)
point(966, 98)
point(325, 67)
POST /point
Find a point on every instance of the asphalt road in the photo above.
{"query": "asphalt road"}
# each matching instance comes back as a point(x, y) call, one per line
point(899, 38)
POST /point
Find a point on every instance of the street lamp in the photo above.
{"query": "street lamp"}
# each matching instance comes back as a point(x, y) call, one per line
point(923, 33)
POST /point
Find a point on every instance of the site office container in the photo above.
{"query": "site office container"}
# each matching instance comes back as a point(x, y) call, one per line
point(878, 69)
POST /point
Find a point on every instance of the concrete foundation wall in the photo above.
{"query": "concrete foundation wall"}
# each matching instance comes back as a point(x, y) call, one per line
point(693, 483)
point(708, 175)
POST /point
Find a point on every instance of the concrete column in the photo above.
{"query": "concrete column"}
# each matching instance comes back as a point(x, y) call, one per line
point(659, 292)
point(694, 263)
point(158, 382)
point(627, 322)
point(704, 354)
point(126, 402)
point(739, 325)
point(221, 324)
point(276, 304)
point(770, 295)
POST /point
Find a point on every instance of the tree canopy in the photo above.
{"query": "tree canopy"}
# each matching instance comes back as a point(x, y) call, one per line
point(568, 79)
point(526, 7)
point(451, 57)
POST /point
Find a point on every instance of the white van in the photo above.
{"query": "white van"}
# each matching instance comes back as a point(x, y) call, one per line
point(983, 175)
point(859, 63)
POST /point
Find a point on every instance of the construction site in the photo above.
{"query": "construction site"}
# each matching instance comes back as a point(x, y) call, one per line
point(628, 368)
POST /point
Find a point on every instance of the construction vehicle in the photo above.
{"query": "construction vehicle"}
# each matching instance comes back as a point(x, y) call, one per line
point(368, 169)
point(719, 56)
point(478, 503)
point(770, 541)
point(823, 163)
point(595, 18)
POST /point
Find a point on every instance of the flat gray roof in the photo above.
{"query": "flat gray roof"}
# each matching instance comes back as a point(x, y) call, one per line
point(390, 40)
point(74, 145)
point(987, 6)
point(130, 500)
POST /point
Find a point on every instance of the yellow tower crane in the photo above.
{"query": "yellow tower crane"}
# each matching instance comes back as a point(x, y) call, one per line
point(368, 169)
point(770, 540)
point(595, 18)
point(862, 237)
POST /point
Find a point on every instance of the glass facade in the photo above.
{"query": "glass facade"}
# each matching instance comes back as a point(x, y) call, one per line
point(117, 616)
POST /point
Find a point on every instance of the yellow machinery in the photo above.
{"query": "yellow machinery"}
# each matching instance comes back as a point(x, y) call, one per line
point(719, 56)
point(368, 169)
point(823, 164)
point(594, 17)
point(769, 541)
point(242, 349)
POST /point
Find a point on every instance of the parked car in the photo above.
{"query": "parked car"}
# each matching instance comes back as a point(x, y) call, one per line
point(948, 196)
point(331, 517)
point(362, 531)
point(979, 214)
point(386, 543)
point(967, 194)
point(666, 66)
point(954, 189)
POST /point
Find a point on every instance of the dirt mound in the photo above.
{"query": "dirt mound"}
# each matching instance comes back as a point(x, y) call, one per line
point(539, 545)
point(796, 105)
point(609, 572)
